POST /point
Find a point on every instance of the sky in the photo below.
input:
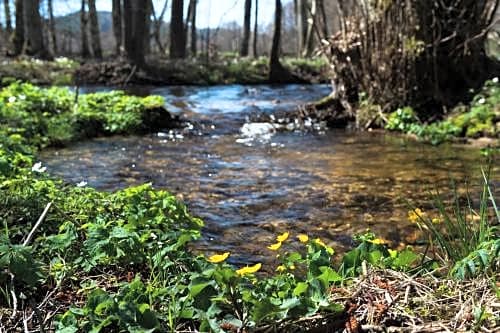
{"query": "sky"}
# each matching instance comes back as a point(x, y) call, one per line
point(210, 12)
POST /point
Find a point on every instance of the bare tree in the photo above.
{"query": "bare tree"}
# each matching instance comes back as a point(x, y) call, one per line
point(18, 38)
point(94, 30)
point(277, 73)
point(324, 18)
point(256, 29)
point(245, 43)
point(301, 14)
point(310, 31)
point(177, 36)
point(134, 13)
point(85, 53)
point(117, 25)
point(158, 21)
point(8, 20)
point(34, 37)
point(52, 26)
point(426, 55)
point(191, 26)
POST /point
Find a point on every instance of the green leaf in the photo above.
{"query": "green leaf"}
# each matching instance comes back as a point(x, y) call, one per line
point(197, 286)
point(290, 303)
point(405, 259)
point(328, 275)
point(263, 309)
point(300, 288)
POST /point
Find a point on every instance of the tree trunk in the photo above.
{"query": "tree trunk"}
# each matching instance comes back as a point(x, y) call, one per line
point(157, 27)
point(34, 32)
point(277, 73)
point(191, 26)
point(311, 26)
point(117, 26)
point(94, 30)
point(324, 18)
point(177, 37)
point(135, 12)
point(8, 21)
point(147, 27)
point(301, 16)
point(194, 37)
point(256, 29)
point(18, 38)
point(52, 26)
point(245, 43)
point(85, 53)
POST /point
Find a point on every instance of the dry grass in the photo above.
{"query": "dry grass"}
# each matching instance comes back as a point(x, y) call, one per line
point(390, 301)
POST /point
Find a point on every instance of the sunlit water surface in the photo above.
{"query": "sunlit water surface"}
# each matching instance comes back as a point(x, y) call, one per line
point(328, 184)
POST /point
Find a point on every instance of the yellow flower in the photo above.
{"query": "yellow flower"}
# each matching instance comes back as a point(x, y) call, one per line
point(216, 258)
point(249, 269)
point(319, 242)
point(436, 220)
point(393, 253)
point(415, 215)
point(275, 246)
point(283, 237)
point(280, 268)
point(378, 241)
point(327, 248)
point(303, 238)
point(292, 267)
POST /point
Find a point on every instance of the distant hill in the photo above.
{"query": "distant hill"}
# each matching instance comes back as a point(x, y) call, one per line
point(71, 22)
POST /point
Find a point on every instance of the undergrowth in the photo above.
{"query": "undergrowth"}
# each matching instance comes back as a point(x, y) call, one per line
point(100, 262)
point(480, 118)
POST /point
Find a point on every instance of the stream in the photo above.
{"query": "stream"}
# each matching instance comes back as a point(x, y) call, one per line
point(249, 182)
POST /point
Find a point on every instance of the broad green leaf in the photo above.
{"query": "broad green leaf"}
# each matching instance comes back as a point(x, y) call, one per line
point(300, 288)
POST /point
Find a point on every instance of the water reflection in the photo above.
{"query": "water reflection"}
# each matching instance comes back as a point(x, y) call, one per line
point(329, 186)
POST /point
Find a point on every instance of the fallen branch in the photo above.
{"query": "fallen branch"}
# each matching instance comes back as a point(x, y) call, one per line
point(37, 224)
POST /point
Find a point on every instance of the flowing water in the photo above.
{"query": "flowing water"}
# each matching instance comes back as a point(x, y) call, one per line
point(249, 182)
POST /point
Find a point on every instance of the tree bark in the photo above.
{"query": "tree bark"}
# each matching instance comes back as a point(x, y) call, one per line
point(85, 53)
point(277, 73)
point(8, 20)
point(18, 38)
point(94, 30)
point(256, 29)
point(117, 26)
point(52, 26)
point(177, 36)
point(33, 28)
point(245, 43)
point(135, 12)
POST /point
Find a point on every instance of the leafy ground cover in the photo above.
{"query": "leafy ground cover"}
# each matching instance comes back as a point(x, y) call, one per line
point(76, 259)
point(226, 69)
point(479, 119)
point(58, 72)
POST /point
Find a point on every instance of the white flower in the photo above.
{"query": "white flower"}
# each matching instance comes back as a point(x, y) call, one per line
point(12, 99)
point(83, 183)
point(22, 97)
point(481, 101)
point(37, 167)
point(495, 80)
